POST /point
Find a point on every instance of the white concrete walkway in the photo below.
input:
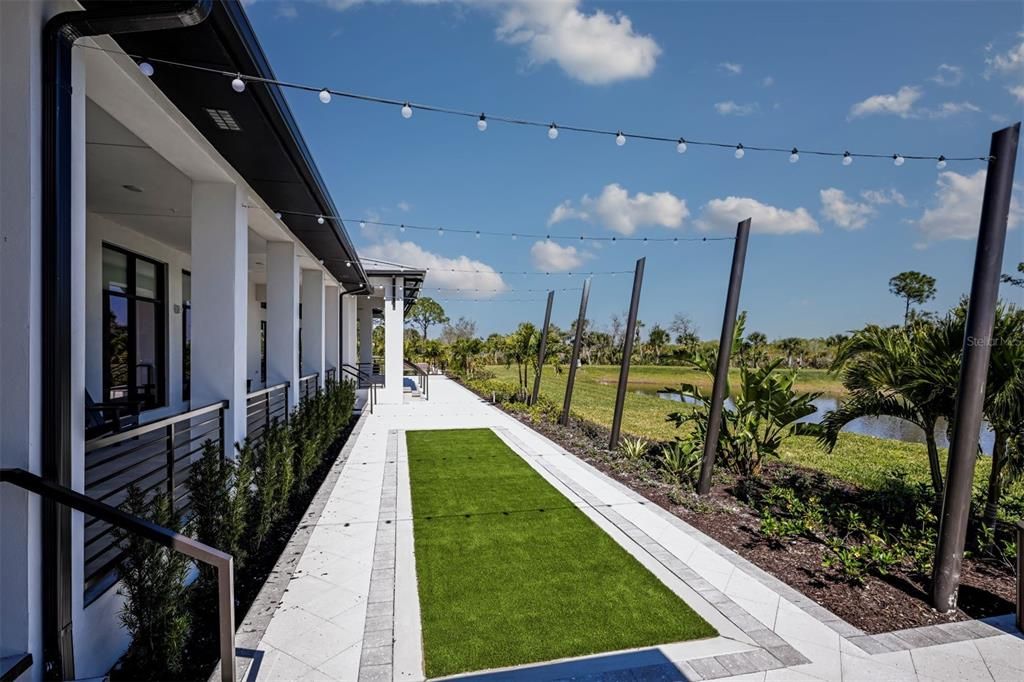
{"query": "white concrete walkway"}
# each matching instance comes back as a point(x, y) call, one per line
point(350, 610)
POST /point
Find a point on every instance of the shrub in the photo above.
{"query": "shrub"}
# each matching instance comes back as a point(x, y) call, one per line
point(634, 448)
point(680, 460)
point(784, 514)
point(152, 582)
point(273, 478)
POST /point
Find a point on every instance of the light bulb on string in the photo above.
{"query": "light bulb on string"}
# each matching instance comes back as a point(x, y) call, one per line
point(898, 160)
point(146, 68)
point(325, 96)
point(406, 111)
point(440, 232)
point(348, 264)
point(739, 153)
point(794, 155)
point(362, 224)
point(319, 220)
point(401, 228)
point(478, 234)
point(620, 139)
point(847, 159)
point(552, 131)
point(681, 146)
point(481, 125)
point(237, 84)
point(514, 236)
point(941, 163)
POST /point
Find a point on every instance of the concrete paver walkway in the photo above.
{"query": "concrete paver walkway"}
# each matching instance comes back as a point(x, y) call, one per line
point(344, 605)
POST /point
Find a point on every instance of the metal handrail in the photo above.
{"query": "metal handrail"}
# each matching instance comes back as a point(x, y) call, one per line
point(268, 389)
point(221, 561)
point(371, 386)
point(420, 372)
point(113, 439)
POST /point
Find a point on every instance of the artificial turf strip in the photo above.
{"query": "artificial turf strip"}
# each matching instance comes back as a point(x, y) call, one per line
point(510, 572)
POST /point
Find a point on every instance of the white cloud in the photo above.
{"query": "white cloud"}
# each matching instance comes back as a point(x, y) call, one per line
point(901, 104)
point(595, 48)
point(731, 68)
point(566, 211)
point(843, 211)
point(1006, 63)
point(767, 82)
point(731, 108)
point(948, 75)
point(1017, 91)
point(470, 274)
point(884, 196)
point(957, 210)
point(550, 256)
point(947, 109)
point(621, 213)
point(404, 206)
point(721, 215)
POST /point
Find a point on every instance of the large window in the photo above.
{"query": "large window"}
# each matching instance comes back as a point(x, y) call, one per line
point(133, 336)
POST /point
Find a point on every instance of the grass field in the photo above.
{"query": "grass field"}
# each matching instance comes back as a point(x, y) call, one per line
point(861, 460)
point(510, 572)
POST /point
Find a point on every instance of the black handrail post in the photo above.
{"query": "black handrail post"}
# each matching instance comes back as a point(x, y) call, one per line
point(581, 321)
point(977, 348)
point(1020, 575)
point(542, 349)
point(732, 301)
point(627, 352)
point(170, 467)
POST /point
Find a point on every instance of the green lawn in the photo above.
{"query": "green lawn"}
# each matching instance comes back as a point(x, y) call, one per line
point(861, 460)
point(510, 572)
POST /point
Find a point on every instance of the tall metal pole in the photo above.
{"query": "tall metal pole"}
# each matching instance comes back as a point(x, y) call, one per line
point(732, 302)
point(581, 321)
point(543, 348)
point(627, 352)
point(970, 401)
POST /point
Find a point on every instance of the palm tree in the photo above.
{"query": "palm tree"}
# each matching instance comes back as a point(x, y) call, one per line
point(881, 369)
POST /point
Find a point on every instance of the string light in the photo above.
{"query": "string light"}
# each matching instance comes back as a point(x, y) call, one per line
point(481, 125)
point(325, 96)
point(898, 160)
point(277, 214)
point(794, 155)
point(146, 68)
point(681, 146)
point(401, 228)
point(620, 139)
point(496, 291)
point(739, 153)
point(941, 162)
point(362, 224)
point(238, 84)
point(319, 220)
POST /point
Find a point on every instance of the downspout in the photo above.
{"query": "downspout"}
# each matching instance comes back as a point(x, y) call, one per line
point(59, 37)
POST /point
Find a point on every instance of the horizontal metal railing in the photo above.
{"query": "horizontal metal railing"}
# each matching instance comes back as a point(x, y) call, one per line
point(309, 385)
point(112, 516)
point(363, 380)
point(330, 375)
point(156, 458)
point(422, 374)
point(263, 408)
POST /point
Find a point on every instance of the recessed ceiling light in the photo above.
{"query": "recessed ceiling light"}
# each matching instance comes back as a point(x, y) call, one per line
point(223, 119)
point(132, 188)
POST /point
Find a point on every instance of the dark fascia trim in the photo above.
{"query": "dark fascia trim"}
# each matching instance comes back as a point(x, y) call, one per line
point(59, 36)
point(305, 163)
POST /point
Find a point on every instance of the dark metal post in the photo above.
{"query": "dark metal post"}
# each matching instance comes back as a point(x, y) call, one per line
point(1020, 575)
point(581, 321)
point(970, 401)
point(732, 301)
point(627, 352)
point(170, 466)
point(542, 351)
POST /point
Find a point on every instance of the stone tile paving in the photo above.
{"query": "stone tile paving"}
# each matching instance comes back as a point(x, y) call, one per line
point(330, 622)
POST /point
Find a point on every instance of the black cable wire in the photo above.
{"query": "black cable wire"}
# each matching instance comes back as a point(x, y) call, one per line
point(373, 99)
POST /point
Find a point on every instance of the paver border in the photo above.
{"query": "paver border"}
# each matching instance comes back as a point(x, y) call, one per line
point(268, 599)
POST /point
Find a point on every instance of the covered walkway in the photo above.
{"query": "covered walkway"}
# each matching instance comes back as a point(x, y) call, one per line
point(343, 605)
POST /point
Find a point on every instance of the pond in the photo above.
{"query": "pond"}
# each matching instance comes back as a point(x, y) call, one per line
point(878, 427)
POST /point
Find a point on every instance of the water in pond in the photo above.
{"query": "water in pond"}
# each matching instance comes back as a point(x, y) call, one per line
point(879, 427)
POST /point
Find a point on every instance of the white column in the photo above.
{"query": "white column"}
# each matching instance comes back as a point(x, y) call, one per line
point(220, 306)
point(365, 315)
point(283, 318)
point(394, 351)
point(348, 329)
point(312, 298)
point(332, 328)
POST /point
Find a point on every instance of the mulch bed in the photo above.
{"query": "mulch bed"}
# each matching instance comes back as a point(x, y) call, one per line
point(881, 604)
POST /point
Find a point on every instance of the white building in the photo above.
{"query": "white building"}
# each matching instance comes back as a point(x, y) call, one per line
point(145, 276)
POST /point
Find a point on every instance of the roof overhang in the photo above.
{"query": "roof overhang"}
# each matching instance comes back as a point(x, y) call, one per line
point(268, 150)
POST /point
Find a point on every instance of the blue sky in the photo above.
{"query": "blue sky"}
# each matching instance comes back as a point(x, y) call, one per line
point(913, 78)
